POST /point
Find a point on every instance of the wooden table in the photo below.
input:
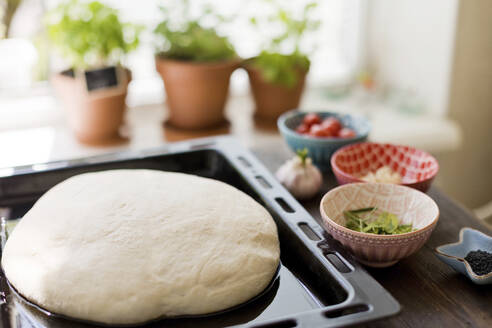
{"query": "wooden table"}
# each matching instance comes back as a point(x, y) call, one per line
point(431, 293)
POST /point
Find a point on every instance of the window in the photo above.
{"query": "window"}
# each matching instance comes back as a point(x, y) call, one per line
point(335, 51)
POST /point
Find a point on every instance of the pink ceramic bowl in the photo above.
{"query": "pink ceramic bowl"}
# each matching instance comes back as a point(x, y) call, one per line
point(416, 167)
point(410, 205)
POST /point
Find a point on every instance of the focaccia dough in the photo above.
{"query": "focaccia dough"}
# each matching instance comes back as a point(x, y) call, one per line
point(129, 246)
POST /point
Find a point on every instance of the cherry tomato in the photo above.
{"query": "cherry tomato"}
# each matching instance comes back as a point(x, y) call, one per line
point(302, 129)
point(311, 119)
point(346, 133)
point(329, 130)
point(332, 126)
point(317, 130)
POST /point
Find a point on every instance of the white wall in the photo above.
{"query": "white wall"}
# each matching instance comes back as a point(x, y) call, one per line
point(466, 174)
point(410, 45)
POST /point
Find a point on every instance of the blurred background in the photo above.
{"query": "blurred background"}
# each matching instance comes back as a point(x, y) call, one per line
point(421, 71)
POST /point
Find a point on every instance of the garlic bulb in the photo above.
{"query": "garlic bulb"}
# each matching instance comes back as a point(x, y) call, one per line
point(300, 176)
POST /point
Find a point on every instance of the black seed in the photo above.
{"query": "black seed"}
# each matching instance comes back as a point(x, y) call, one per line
point(480, 261)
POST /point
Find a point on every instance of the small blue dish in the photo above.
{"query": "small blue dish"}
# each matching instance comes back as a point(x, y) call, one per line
point(320, 149)
point(454, 254)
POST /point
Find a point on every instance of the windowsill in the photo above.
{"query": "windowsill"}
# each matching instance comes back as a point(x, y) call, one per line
point(35, 131)
point(433, 133)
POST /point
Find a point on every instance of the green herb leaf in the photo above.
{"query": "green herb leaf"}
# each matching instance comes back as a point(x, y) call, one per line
point(362, 210)
point(90, 33)
point(281, 69)
point(282, 62)
point(182, 36)
point(384, 224)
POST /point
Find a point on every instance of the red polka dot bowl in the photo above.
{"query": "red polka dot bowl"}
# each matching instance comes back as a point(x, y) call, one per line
point(416, 167)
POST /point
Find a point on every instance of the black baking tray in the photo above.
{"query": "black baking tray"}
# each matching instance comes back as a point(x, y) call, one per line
point(319, 284)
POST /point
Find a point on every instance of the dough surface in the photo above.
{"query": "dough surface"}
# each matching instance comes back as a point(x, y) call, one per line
point(129, 246)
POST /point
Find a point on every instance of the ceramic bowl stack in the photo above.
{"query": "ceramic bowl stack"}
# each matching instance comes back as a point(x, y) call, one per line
point(410, 205)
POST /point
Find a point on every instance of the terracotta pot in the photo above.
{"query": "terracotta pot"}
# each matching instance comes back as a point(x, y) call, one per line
point(196, 92)
point(272, 100)
point(97, 117)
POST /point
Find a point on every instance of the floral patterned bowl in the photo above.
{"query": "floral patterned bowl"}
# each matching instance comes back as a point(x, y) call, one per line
point(416, 167)
point(410, 205)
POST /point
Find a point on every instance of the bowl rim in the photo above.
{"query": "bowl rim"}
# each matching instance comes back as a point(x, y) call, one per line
point(354, 178)
point(364, 235)
point(296, 112)
point(468, 268)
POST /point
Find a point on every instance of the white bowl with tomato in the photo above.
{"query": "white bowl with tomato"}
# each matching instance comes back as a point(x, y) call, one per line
point(321, 133)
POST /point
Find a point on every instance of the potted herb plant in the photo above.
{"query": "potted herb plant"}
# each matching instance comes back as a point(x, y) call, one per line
point(93, 40)
point(18, 55)
point(195, 63)
point(7, 12)
point(278, 73)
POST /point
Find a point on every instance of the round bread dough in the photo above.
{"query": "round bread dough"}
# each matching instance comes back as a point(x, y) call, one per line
point(129, 246)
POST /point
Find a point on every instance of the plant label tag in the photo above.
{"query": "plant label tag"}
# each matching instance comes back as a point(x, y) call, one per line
point(110, 78)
